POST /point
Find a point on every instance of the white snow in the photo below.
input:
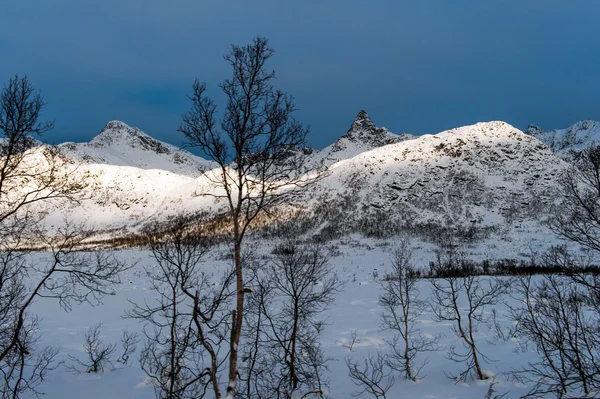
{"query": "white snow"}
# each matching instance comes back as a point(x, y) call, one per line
point(463, 175)
point(356, 309)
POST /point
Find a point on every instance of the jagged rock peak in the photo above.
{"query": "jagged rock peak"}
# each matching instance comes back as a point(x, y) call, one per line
point(362, 122)
point(533, 130)
point(362, 136)
point(117, 130)
point(363, 130)
point(117, 125)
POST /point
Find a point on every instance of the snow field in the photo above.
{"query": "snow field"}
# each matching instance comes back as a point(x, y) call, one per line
point(355, 312)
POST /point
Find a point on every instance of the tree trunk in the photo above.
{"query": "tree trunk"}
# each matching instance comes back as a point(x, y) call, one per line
point(293, 338)
point(237, 314)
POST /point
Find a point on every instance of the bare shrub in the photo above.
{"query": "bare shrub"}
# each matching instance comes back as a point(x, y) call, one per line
point(129, 342)
point(353, 341)
point(98, 355)
point(373, 376)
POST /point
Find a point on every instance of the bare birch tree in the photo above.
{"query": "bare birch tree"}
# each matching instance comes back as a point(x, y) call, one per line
point(560, 320)
point(256, 143)
point(463, 299)
point(401, 309)
point(577, 218)
point(186, 325)
point(282, 355)
point(32, 178)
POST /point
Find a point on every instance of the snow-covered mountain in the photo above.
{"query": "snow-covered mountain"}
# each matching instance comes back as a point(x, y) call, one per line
point(487, 175)
point(121, 145)
point(567, 143)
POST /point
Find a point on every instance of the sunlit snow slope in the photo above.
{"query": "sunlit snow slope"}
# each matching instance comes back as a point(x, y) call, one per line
point(122, 145)
point(487, 174)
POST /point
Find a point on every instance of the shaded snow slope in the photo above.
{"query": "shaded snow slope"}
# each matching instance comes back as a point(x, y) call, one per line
point(355, 315)
point(568, 142)
point(121, 145)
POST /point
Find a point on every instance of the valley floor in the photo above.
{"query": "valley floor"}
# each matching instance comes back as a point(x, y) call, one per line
point(358, 261)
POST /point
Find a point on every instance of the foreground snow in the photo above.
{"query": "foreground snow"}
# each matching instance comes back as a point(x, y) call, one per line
point(356, 311)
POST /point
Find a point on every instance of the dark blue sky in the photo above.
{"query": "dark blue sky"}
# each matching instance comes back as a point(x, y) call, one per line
point(414, 66)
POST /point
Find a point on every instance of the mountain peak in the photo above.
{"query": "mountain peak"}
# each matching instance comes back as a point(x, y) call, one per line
point(115, 132)
point(115, 125)
point(119, 144)
point(362, 122)
point(362, 136)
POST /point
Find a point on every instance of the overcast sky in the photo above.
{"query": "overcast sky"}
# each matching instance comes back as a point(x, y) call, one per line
point(414, 66)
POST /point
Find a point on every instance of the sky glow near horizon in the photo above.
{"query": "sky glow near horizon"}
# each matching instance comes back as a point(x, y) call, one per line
point(414, 66)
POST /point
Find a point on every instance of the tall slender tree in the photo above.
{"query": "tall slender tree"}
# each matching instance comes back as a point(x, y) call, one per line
point(257, 145)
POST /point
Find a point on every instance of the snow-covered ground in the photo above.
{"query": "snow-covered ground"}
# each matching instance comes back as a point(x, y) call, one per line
point(356, 310)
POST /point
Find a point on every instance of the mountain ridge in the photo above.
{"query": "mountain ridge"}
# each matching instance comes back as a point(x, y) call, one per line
point(489, 174)
point(567, 143)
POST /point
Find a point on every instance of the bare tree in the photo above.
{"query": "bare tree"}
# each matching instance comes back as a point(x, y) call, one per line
point(560, 314)
point(401, 309)
point(577, 218)
point(373, 377)
point(69, 275)
point(256, 366)
point(463, 299)
point(256, 144)
point(33, 177)
point(560, 319)
point(296, 287)
point(186, 325)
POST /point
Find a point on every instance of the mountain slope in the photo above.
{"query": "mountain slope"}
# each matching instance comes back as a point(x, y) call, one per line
point(488, 174)
point(567, 143)
point(121, 145)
